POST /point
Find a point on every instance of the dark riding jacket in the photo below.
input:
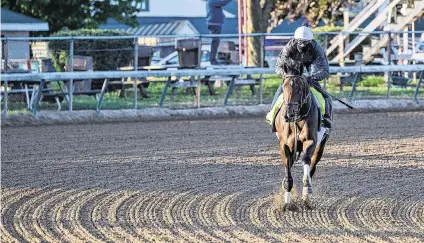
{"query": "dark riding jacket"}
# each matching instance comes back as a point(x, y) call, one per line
point(214, 13)
point(314, 60)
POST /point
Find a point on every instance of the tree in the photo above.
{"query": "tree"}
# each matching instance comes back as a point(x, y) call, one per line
point(314, 10)
point(257, 22)
point(264, 15)
point(76, 14)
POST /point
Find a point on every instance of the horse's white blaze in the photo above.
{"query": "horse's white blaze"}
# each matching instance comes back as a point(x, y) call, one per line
point(287, 197)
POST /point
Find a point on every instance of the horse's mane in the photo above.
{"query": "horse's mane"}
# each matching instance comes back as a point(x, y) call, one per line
point(294, 67)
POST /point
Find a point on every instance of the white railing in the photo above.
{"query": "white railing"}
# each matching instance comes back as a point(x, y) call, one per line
point(41, 77)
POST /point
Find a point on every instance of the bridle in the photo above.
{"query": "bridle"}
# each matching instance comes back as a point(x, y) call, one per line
point(297, 116)
point(298, 105)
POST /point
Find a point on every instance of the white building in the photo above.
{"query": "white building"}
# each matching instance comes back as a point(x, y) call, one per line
point(18, 25)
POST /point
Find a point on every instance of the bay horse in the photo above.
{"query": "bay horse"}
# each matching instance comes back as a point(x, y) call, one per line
point(297, 124)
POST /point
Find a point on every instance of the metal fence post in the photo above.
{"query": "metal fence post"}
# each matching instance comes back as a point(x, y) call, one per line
point(418, 87)
point(199, 78)
point(389, 61)
point(261, 83)
point(325, 45)
point(341, 50)
point(6, 97)
point(38, 98)
point(5, 51)
point(135, 69)
point(71, 69)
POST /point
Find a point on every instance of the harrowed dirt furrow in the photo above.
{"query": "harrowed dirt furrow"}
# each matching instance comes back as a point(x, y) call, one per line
point(9, 202)
point(216, 180)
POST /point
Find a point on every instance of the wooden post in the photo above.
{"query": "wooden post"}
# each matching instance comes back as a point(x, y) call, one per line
point(240, 27)
point(246, 51)
point(135, 69)
point(346, 24)
point(261, 85)
point(405, 40)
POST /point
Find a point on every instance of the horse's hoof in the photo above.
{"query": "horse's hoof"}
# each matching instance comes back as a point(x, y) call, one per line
point(290, 207)
point(306, 204)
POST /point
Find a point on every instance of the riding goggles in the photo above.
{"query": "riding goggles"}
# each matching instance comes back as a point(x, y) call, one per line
point(303, 43)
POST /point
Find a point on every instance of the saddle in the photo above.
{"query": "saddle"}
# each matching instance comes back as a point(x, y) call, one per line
point(317, 98)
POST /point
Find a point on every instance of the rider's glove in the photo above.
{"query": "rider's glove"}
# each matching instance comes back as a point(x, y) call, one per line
point(312, 81)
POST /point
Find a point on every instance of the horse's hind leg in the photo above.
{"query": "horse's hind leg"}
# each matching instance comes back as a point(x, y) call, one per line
point(318, 154)
point(287, 184)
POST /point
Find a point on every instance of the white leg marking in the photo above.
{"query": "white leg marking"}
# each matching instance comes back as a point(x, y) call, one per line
point(305, 193)
point(306, 176)
point(287, 197)
point(320, 134)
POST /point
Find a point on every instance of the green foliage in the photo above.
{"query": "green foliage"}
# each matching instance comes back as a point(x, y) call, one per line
point(108, 54)
point(321, 38)
point(76, 14)
point(371, 81)
point(314, 11)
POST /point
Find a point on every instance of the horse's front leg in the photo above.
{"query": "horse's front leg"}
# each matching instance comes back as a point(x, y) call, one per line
point(308, 148)
point(287, 184)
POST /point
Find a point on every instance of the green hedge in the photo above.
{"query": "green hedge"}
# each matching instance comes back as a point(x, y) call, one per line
point(371, 81)
point(108, 54)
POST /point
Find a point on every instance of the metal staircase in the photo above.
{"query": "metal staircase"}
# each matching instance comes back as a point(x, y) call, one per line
point(355, 23)
point(401, 21)
point(412, 12)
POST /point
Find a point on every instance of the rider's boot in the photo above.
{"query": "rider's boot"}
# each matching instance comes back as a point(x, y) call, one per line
point(271, 114)
point(328, 112)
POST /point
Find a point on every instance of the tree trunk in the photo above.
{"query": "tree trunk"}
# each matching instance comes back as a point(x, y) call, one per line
point(258, 12)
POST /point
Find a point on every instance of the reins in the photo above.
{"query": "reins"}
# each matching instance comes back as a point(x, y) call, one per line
point(303, 101)
point(301, 104)
point(295, 143)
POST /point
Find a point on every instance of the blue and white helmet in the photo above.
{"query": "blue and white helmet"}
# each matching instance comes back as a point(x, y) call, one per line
point(303, 33)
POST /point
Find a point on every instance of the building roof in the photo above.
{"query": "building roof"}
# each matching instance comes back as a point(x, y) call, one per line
point(199, 24)
point(12, 21)
point(180, 27)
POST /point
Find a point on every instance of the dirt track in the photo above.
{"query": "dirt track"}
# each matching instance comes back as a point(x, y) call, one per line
point(210, 181)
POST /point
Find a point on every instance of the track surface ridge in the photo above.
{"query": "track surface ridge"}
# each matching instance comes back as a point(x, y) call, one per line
point(210, 181)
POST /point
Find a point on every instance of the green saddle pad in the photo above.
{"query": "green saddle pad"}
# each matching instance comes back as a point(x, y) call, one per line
point(320, 98)
point(270, 117)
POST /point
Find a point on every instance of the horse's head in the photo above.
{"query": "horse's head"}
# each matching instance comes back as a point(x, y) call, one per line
point(295, 90)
